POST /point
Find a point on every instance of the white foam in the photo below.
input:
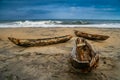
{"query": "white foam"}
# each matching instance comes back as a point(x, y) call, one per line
point(50, 23)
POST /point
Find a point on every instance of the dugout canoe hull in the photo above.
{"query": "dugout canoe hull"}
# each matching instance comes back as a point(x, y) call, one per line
point(39, 42)
point(83, 58)
point(91, 36)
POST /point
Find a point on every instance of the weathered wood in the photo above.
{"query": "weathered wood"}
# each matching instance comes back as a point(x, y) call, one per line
point(91, 36)
point(83, 57)
point(40, 42)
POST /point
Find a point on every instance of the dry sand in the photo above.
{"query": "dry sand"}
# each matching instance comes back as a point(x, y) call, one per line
point(51, 62)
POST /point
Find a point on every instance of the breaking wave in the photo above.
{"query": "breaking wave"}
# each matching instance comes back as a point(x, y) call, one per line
point(50, 23)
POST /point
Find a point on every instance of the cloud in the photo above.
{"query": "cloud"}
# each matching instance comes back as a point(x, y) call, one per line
point(76, 12)
point(60, 9)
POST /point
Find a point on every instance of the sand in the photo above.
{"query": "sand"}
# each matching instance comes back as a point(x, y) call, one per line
point(51, 62)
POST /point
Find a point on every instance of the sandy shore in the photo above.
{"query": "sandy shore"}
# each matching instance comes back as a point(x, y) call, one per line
point(51, 62)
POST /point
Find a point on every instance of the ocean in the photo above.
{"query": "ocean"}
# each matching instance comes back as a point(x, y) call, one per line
point(60, 23)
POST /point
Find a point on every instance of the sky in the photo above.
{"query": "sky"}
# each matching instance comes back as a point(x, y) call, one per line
point(59, 9)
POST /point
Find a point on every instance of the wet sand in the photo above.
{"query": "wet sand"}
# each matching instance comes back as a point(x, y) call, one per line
point(51, 62)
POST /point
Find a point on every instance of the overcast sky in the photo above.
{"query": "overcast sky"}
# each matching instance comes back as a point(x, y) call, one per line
point(59, 9)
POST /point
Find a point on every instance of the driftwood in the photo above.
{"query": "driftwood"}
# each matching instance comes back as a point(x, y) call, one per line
point(91, 36)
point(83, 58)
point(40, 42)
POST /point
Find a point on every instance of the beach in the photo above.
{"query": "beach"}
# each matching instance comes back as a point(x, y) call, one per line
point(51, 62)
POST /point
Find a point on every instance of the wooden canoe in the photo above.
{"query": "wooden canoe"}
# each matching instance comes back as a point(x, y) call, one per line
point(83, 58)
point(91, 36)
point(39, 42)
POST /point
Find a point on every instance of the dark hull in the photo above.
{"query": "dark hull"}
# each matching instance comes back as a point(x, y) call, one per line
point(91, 36)
point(85, 66)
point(39, 42)
point(80, 64)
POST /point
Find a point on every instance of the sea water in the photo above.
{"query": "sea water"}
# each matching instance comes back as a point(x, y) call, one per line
point(61, 23)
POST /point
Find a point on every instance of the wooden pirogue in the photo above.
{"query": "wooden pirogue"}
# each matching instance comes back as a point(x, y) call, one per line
point(40, 42)
point(83, 58)
point(90, 36)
